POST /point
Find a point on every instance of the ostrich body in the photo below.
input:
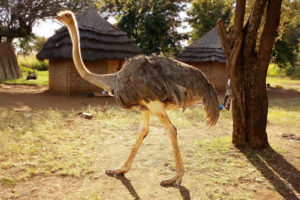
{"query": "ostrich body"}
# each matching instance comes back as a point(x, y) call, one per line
point(150, 84)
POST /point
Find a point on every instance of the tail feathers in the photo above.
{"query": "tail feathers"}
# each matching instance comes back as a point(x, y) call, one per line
point(211, 105)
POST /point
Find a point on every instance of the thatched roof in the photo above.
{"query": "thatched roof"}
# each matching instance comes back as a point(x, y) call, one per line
point(99, 40)
point(206, 48)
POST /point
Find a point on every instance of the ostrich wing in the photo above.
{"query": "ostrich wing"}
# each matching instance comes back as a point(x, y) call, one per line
point(157, 78)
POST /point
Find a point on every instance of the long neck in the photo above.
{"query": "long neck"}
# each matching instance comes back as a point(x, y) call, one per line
point(106, 81)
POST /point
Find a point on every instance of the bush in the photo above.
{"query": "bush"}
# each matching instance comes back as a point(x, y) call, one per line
point(296, 73)
point(31, 62)
point(274, 70)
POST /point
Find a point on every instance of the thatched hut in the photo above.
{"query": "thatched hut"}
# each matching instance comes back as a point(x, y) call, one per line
point(103, 48)
point(9, 68)
point(207, 55)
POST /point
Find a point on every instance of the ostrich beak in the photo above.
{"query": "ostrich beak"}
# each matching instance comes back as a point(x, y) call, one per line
point(57, 17)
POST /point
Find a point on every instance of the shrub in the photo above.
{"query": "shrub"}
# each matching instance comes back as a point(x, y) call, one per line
point(274, 70)
point(296, 73)
point(30, 61)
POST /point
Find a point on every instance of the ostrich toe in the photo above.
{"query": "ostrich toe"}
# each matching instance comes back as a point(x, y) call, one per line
point(115, 172)
point(175, 181)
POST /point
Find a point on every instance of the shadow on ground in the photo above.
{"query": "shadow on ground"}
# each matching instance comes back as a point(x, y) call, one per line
point(280, 173)
point(185, 193)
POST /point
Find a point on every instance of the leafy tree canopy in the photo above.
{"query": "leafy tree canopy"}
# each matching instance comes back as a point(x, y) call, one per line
point(151, 23)
point(29, 44)
point(286, 48)
point(204, 15)
point(18, 16)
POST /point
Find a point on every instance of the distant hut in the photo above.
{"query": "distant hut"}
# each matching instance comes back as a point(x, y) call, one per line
point(207, 55)
point(103, 48)
point(9, 68)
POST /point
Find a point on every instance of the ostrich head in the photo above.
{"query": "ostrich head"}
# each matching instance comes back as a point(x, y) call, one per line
point(66, 17)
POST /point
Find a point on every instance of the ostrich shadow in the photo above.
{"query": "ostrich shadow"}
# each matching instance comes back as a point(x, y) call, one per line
point(127, 183)
point(184, 192)
point(279, 172)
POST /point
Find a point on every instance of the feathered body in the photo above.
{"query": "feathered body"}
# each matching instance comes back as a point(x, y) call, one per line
point(157, 78)
point(152, 84)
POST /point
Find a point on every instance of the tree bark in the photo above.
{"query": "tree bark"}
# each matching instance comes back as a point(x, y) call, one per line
point(9, 68)
point(247, 69)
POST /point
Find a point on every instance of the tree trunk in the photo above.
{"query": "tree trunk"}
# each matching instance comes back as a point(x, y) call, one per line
point(247, 66)
point(9, 68)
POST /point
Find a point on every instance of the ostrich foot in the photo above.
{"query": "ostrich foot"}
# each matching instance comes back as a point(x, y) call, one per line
point(175, 181)
point(115, 172)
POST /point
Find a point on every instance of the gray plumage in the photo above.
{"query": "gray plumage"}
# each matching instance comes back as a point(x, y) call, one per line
point(156, 78)
point(152, 84)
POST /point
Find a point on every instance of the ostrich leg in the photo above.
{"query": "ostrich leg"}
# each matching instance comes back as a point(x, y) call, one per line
point(171, 131)
point(143, 131)
point(158, 109)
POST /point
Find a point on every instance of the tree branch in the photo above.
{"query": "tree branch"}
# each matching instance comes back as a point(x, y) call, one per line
point(252, 26)
point(238, 19)
point(269, 31)
point(224, 38)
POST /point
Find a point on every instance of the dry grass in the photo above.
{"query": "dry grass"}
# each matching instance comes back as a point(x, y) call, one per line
point(42, 142)
point(62, 144)
point(284, 82)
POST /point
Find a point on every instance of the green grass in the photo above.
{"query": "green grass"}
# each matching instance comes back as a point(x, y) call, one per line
point(275, 71)
point(284, 82)
point(30, 63)
point(285, 112)
point(42, 78)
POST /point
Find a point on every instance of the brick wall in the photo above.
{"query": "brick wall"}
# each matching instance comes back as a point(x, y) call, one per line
point(65, 79)
point(220, 76)
point(215, 72)
point(58, 79)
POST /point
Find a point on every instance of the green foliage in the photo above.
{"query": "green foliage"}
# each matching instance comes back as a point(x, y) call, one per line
point(31, 62)
point(150, 23)
point(296, 73)
point(274, 70)
point(38, 43)
point(286, 47)
point(29, 44)
point(205, 14)
point(42, 78)
point(25, 44)
point(18, 17)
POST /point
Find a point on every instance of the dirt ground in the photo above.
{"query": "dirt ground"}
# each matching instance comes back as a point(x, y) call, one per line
point(39, 97)
point(33, 96)
point(153, 162)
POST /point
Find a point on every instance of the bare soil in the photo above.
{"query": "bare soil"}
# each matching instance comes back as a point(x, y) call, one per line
point(34, 96)
point(40, 97)
point(153, 163)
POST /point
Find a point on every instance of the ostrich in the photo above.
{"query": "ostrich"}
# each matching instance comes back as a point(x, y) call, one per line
point(151, 84)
